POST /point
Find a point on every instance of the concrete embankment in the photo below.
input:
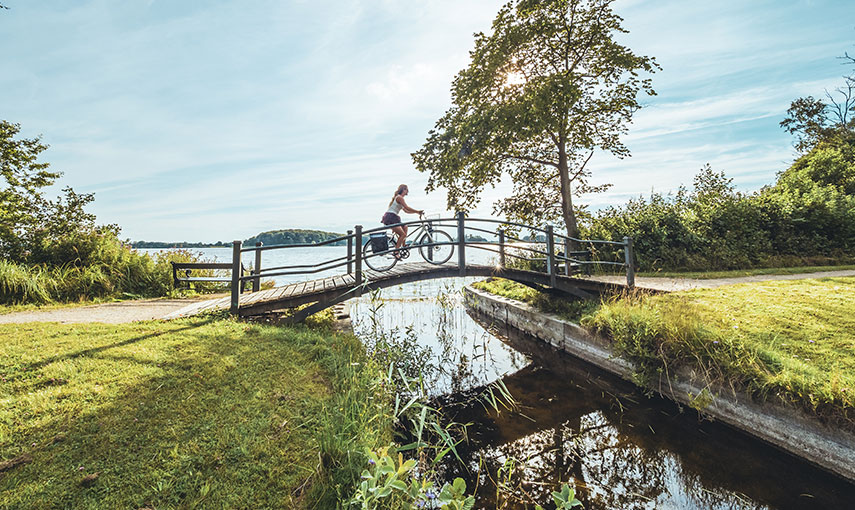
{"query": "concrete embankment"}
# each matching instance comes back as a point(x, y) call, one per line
point(788, 429)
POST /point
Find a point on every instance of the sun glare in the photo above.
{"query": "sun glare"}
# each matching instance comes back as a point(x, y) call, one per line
point(514, 78)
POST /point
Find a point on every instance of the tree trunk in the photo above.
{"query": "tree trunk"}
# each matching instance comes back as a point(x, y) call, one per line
point(567, 195)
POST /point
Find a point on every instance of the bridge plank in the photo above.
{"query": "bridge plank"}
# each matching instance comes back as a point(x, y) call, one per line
point(289, 290)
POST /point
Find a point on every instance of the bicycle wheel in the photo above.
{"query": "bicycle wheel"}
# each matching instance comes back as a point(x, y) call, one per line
point(441, 253)
point(382, 261)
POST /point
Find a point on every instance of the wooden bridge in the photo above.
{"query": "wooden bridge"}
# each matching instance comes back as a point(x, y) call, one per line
point(535, 262)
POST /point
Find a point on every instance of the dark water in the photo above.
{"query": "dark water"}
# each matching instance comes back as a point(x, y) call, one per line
point(619, 448)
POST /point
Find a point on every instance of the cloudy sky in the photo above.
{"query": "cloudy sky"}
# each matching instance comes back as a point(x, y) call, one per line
point(205, 121)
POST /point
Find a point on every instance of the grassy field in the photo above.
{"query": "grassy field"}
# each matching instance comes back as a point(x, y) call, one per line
point(736, 273)
point(790, 341)
point(204, 412)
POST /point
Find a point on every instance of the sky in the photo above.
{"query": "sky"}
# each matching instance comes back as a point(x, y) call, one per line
point(213, 121)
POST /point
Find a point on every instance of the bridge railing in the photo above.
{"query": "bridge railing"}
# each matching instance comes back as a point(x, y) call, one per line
point(545, 247)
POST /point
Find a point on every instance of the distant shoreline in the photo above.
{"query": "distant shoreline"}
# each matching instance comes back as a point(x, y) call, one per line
point(271, 237)
point(158, 244)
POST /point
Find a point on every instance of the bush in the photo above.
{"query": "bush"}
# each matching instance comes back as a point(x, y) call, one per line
point(808, 215)
point(98, 266)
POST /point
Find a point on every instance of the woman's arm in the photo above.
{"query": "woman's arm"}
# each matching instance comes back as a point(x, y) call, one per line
point(408, 209)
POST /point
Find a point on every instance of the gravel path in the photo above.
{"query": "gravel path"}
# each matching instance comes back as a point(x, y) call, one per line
point(677, 284)
point(110, 313)
point(148, 309)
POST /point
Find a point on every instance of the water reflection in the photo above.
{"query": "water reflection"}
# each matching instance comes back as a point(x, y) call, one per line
point(463, 353)
point(622, 449)
point(574, 422)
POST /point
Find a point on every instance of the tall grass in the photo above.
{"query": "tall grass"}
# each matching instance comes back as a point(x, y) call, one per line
point(101, 267)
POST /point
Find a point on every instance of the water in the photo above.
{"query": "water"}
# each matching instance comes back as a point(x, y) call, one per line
point(575, 423)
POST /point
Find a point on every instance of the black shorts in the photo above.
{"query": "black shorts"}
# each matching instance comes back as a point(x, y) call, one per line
point(390, 219)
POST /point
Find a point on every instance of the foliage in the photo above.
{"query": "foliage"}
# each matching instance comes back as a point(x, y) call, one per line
point(384, 485)
point(29, 222)
point(564, 499)
point(52, 250)
point(544, 90)
point(293, 236)
point(202, 412)
point(813, 120)
point(808, 216)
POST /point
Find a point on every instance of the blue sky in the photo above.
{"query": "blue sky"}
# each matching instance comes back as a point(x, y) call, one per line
point(205, 121)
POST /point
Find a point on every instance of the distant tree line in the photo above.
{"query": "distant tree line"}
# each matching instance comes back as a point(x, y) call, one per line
point(294, 236)
point(161, 244)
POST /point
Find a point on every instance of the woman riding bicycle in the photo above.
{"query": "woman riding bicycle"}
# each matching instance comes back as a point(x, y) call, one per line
point(392, 215)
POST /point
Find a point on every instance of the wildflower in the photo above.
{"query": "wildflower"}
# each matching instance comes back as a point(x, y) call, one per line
point(80, 468)
point(371, 461)
point(430, 494)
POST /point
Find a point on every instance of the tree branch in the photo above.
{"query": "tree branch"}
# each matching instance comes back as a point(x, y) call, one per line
point(529, 159)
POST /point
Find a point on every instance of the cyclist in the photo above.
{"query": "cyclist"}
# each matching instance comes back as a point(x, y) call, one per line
point(392, 216)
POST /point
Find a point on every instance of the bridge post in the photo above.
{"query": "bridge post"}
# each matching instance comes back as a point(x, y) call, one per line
point(349, 251)
point(630, 267)
point(501, 248)
point(236, 274)
point(358, 239)
point(550, 255)
point(461, 243)
point(256, 282)
point(566, 257)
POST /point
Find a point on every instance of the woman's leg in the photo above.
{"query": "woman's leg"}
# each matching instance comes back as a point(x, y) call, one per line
point(401, 230)
point(402, 236)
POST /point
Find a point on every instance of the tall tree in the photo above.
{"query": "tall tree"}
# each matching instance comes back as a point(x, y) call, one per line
point(545, 90)
point(813, 120)
point(28, 219)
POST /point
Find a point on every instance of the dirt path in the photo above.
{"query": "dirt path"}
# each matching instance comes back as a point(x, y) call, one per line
point(110, 313)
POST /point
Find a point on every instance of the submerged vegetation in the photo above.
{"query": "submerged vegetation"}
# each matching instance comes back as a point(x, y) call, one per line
point(783, 341)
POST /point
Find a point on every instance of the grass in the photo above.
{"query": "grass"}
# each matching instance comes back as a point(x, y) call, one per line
point(736, 273)
point(785, 341)
point(203, 412)
point(572, 310)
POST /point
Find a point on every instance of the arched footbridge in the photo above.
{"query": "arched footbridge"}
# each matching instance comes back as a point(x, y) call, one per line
point(543, 259)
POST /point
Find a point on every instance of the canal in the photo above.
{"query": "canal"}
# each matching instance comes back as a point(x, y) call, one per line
point(620, 448)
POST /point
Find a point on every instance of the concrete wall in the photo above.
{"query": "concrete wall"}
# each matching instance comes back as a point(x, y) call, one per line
point(783, 427)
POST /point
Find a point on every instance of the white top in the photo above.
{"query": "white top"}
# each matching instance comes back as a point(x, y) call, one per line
point(395, 208)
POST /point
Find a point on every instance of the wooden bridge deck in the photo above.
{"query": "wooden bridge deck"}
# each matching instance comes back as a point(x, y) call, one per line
point(335, 289)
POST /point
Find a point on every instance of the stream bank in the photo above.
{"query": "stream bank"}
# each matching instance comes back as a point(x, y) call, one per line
point(830, 449)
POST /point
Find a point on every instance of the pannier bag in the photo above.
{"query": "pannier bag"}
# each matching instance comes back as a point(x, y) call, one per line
point(379, 242)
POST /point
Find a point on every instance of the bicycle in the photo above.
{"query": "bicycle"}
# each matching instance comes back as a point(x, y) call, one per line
point(379, 251)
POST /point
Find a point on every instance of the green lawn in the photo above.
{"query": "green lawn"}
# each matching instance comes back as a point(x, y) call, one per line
point(203, 412)
point(704, 275)
point(790, 341)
